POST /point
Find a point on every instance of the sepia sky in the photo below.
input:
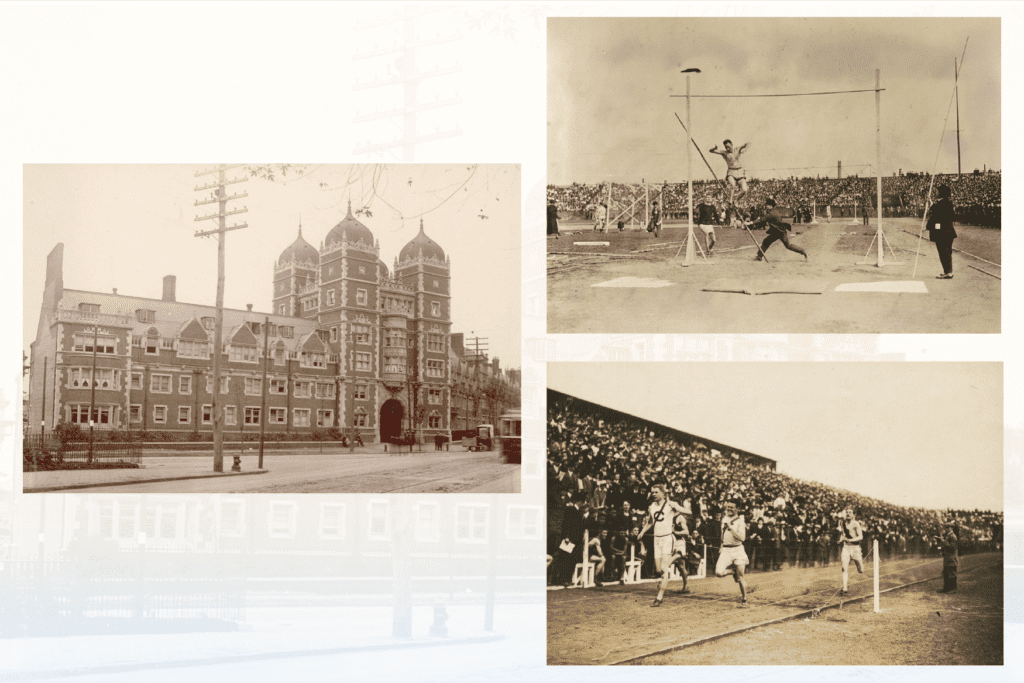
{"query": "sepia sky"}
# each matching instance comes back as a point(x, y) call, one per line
point(128, 226)
point(610, 114)
point(921, 434)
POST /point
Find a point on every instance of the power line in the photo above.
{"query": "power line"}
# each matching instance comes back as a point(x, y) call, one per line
point(792, 94)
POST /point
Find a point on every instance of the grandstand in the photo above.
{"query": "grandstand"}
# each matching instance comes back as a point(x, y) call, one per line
point(976, 196)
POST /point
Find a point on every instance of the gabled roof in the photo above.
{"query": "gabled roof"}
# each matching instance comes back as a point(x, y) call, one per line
point(312, 342)
point(243, 335)
point(193, 330)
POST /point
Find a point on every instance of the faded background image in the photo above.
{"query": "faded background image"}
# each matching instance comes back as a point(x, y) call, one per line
point(414, 587)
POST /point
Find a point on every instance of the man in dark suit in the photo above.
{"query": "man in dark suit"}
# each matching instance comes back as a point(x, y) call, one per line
point(950, 558)
point(940, 230)
point(776, 230)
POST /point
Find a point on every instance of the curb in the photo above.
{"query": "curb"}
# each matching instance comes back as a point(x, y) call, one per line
point(49, 489)
point(230, 659)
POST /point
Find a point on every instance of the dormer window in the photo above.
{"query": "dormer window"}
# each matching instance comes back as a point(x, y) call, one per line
point(209, 324)
point(89, 309)
point(145, 316)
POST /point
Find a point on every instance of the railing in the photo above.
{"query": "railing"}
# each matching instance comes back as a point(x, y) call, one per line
point(65, 315)
point(56, 449)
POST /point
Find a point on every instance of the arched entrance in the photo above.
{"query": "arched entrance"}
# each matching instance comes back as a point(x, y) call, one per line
point(391, 414)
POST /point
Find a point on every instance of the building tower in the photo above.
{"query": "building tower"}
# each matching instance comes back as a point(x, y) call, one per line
point(294, 273)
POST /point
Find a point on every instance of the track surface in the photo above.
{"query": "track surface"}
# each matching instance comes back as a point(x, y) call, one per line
point(616, 623)
point(970, 303)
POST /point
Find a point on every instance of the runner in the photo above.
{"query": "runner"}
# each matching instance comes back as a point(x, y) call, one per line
point(776, 230)
point(852, 535)
point(734, 532)
point(660, 517)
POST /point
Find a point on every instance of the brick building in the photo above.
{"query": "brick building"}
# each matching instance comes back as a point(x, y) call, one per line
point(348, 345)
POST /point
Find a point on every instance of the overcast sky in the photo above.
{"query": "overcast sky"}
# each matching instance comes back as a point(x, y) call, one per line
point(128, 226)
point(921, 434)
point(610, 114)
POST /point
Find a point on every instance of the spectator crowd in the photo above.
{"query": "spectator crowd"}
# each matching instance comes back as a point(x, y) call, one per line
point(977, 197)
point(602, 465)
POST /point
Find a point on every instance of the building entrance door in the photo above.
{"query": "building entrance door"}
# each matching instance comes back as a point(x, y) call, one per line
point(391, 414)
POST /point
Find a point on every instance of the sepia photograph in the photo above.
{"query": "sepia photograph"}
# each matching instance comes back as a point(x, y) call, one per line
point(360, 324)
point(775, 513)
point(773, 175)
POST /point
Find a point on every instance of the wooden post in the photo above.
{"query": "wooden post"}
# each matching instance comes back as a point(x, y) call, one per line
point(874, 551)
point(263, 385)
point(878, 162)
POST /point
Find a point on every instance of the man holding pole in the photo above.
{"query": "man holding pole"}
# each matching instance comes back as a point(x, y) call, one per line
point(734, 176)
point(776, 230)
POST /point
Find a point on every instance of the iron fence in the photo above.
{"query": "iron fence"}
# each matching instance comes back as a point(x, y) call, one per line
point(63, 449)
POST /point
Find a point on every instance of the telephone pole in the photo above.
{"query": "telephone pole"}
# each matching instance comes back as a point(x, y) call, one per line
point(221, 198)
point(479, 346)
point(956, 90)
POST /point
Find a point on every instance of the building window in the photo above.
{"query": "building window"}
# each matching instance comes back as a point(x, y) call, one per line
point(151, 346)
point(184, 414)
point(394, 366)
point(193, 349)
point(209, 324)
point(101, 415)
point(255, 327)
point(230, 415)
point(359, 418)
point(434, 397)
point(313, 360)
point(334, 334)
point(523, 522)
point(324, 390)
point(281, 310)
point(471, 523)
point(271, 330)
point(395, 338)
point(359, 393)
point(89, 309)
point(435, 308)
point(224, 384)
point(378, 520)
point(252, 415)
point(435, 343)
point(279, 386)
point(282, 519)
point(160, 384)
point(232, 518)
point(428, 522)
point(434, 421)
point(330, 297)
point(362, 362)
point(303, 389)
point(185, 384)
point(361, 334)
point(300, 417)
point(160, 415)
point(135, 413)
point(287, 331)
point(137, 342)
point(253, 386)
point(325, 419)
point(278, 415)
point(84, 343)
point(435, 368)
point(167, 344)
point(279, 356)
point(136, 380)
point(207, 414)
point(242, 354)
point(332, 521)
point(360, 297)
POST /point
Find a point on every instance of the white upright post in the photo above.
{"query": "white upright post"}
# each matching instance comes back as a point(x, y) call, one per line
point(647, 206)
point(608, 210)
point(874, 553)
point(878, 172)
point(585, 570)
point(689, 178)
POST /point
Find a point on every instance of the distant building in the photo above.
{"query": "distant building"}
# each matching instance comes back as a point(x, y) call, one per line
point(481, 391)
point(350, 345)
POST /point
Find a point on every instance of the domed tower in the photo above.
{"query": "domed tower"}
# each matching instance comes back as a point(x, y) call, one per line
point(423, 267)
point(294, 277)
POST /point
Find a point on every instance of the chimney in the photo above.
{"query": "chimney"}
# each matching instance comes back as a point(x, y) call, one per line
point(169, 282)
point(248, 307)
point(457, 344)
point(115, 290)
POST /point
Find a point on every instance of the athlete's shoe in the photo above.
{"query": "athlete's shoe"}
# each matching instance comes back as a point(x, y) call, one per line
point(685, 591)
point(843, 592)
point(657, 602)
point(743, 603)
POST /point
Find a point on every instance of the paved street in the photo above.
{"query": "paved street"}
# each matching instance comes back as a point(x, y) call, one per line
point(330, 472)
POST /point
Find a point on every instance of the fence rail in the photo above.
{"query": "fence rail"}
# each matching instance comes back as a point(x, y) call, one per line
point(54, 450)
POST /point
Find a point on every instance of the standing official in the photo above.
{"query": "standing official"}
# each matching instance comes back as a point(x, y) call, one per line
point(950, 558)
point(940, 230)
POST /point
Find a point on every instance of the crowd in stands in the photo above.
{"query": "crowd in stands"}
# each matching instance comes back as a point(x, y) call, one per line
point(602, 465)
point(977, 197)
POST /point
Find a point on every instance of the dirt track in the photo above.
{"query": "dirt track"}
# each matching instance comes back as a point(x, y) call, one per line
point(970, 303)
point(616, 623)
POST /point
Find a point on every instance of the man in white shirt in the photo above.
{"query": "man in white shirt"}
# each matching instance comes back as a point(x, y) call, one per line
point(661, 517)
point(734, 532)
point(852, 535)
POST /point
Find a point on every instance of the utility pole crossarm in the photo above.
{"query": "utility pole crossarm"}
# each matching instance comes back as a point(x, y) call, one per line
point(219, 169)
point(214, 200)
point(232, 181)
point(221, 214)
point(217, 231)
